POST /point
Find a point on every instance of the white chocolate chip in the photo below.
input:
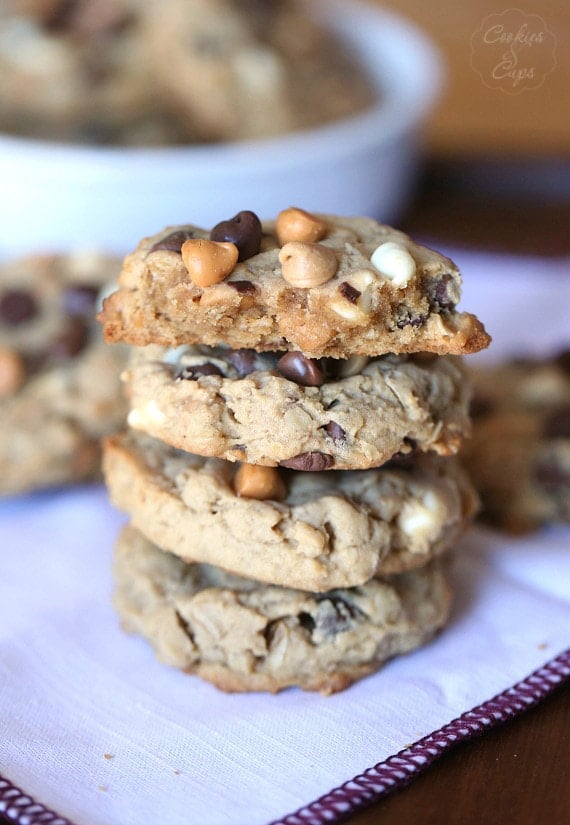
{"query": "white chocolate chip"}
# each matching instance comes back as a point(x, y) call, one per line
point(421, 519)
point(149, 414)
point(394, 262)
point(174, 354)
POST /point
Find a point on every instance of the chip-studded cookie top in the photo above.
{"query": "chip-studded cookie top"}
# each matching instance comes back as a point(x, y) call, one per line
point(326, 286)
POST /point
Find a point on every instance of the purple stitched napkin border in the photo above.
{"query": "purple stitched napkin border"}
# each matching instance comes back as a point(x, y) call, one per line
point(376, 782)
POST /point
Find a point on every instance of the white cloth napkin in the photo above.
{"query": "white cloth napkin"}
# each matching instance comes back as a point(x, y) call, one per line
point(93, 727)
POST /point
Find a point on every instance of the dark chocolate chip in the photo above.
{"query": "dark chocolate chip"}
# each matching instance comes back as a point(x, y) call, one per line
point(70, 342)
point(304, 371)
point(193, 372)
point(335, 431)
point(405, 317)
point(553, 478)
point(439, 292)
point(312, 462)
point(244, 360)
point(557, 425)
point(306, 621)
point(335, 615)
point(244, 230)
point(349, 292)
point(17, 306)
point(172, 242)
point(400, 461)
point(243, 287)
point(80, 299)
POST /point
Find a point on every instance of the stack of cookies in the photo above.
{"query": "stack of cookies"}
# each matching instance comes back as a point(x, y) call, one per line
point(295, 406)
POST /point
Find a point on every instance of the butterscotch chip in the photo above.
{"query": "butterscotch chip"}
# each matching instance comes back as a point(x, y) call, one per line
point(357, 311)
point(332, 529)
point(262, 483)
point(242, 635)
point(208, 262)
point(298, 225)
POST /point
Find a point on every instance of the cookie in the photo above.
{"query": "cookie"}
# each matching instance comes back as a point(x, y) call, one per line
point(284, 409)
point(244, 636)
point(77, 71)
point(238, 70)
point(519, 457)
point(315, 531)
point(60, 388)
point(135, 72)
point(357, 288)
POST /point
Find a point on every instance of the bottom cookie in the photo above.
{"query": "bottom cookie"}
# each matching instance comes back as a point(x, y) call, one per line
point(245, 636)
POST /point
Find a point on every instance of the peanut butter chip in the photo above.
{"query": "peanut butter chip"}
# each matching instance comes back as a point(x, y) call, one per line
point(12, 372)
point(307, 265)
point(262, 483)
point(208, 262)
point(297, 225)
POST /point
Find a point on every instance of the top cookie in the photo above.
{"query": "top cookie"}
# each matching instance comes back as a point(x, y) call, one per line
point(324, 285)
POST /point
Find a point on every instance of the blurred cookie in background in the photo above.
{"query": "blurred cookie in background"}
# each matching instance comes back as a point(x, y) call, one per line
point(132, 72)
point(239, 70)
point(59, 385)
point(519, 456)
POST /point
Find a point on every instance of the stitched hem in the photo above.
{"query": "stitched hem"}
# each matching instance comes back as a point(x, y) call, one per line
point(397, 771)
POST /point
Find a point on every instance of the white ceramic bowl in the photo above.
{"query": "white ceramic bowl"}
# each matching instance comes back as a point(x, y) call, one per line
point(59, 196)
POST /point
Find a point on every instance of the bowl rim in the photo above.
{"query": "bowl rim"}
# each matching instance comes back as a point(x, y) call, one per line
point(408, 91)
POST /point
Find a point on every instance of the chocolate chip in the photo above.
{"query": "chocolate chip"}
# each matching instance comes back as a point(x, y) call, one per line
point(335, 615)
point(349, 292)
point(193, 372)
point(312, 462)
point(17, 306)
point(557, 425)
point(244, 360)
point(80, 299)
point(243, 287)
point(440, 292)
point(244, 230)
point(70, 342)
point(400, 461)
point(335, 431)
point(405, 317)
point(306, 621)
point(172, 242)
point(553, 478)
point(304, 371)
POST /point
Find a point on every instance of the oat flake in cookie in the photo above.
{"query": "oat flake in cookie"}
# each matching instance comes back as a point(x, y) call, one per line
point(277, 408)
point(60, 390)
point(316, 531)
point(361, 288)
point(245, 636)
